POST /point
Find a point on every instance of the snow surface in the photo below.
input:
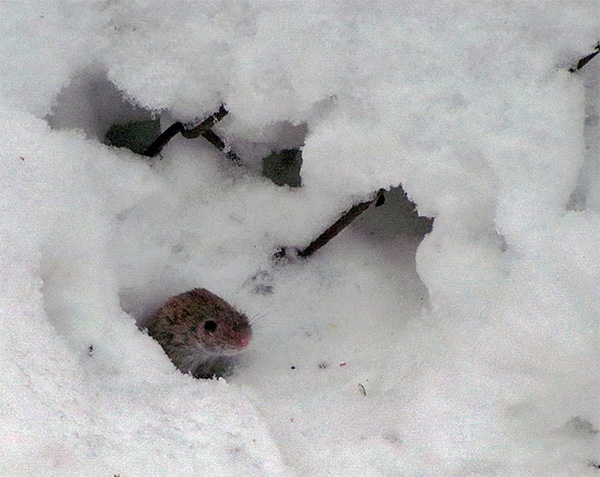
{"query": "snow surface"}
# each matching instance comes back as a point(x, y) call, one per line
point(471, 351)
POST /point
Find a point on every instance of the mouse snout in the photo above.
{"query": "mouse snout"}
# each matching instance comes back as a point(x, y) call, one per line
point(243, 341)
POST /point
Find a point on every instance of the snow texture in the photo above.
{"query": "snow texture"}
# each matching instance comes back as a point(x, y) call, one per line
point(470, 351)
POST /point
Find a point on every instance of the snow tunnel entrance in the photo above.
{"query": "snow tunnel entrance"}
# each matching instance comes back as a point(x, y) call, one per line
point(93, 104)
point(396, 216)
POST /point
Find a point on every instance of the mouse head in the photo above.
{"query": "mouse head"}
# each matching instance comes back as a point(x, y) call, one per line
point(214, 325)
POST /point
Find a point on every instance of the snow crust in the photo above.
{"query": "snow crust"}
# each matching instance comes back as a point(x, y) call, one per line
point(471, 351)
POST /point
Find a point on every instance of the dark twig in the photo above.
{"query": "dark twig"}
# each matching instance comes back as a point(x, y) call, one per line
point(338, 226)
point(205, 125)
point(216, 141)
point(203, 129)
point(585, 60)
point(162, 140)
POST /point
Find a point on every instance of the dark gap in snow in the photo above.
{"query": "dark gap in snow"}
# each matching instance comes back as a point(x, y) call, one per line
point(397, 216)
point(137, 136)
point(268, 145)
point(283, 167)
point(93, 104)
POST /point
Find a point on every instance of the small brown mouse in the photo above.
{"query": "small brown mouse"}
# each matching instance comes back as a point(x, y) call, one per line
point(200, 332)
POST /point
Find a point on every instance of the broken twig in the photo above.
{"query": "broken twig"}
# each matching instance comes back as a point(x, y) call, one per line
point(585, 60)
point(216, 141)
point(338, 226)
point(162, 140)
point(206, 125)
point(203, 129)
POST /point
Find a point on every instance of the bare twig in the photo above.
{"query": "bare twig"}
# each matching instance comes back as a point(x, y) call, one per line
point(205, 125)
point(203, 129)
point(216, 141)
point(338, 226)
point(162, 140)
point(585, 60)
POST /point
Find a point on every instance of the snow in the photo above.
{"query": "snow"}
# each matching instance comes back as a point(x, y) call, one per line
point(467, 350)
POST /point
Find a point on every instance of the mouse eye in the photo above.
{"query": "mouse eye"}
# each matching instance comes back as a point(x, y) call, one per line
point(210, 326)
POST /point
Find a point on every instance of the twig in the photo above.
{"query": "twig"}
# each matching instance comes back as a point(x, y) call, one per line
point(585, 60)
point(338, 226)
point(203, 129)
point(205, 125)
point(162, 140)
point(216, 141)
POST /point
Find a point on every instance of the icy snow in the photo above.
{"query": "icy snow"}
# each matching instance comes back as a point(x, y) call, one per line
point(469, 351)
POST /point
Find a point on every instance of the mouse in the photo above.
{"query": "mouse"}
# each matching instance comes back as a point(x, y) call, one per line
point(201, 333)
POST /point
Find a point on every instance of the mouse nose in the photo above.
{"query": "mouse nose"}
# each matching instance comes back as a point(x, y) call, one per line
point(244, 340)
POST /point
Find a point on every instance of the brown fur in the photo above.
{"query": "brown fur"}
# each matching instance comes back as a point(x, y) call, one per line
point(200, 332)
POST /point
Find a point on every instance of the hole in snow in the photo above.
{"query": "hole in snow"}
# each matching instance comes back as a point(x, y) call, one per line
point(256, 145)
point(92, 104)
point(396, 216)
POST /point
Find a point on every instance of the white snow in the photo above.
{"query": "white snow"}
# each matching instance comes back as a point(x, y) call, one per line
point(471, 351)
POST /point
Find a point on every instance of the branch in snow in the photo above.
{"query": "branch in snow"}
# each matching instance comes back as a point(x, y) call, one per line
point(337, 227)
point(203, 129)
point(205, 125)
point(216, 141)
point(585, 60)
point(162, 140)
